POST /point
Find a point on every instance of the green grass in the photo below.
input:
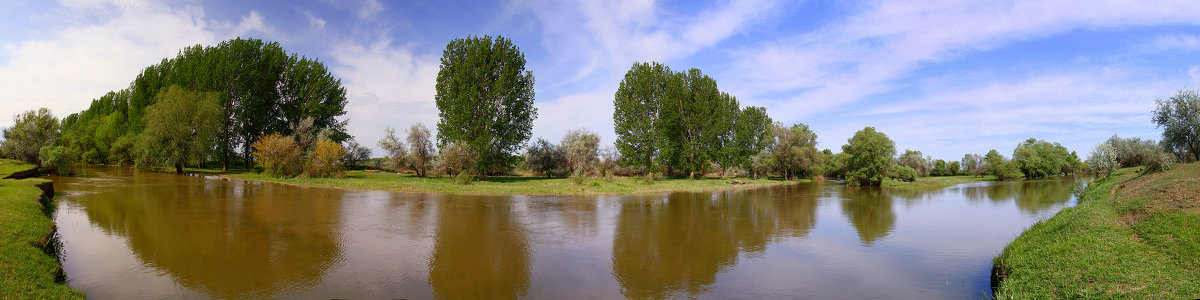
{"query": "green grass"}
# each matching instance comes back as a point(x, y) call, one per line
point(503, 185)
point(26, 270)
point(934, 183)
point(1131, 236)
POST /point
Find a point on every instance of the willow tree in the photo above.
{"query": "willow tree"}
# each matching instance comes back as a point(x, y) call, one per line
point(1179, 117)
point(30, 132)
point(179, 128)
point(485, 100)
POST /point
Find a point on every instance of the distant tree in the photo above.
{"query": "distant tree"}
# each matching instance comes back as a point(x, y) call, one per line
point(393, 148)
point(835, 165)
point(870, 157)
point(915, 160)
point(1039, 158)
point(762, 163)
point(179, 128)
point(31, 131)
point(356, 154)
point(952, 168)
point(1179, 117)
point(278, 154)
point(420, 158)
point(974, 164)
point(324, 159)
point(608, 160)
point(795, 151)
point(485, 100)
point(1002, 167)
point(581, 149)
point(939, 168)
point(545, 158)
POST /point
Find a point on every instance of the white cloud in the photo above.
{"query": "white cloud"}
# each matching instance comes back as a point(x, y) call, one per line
point(1186, 42)
point(314, 21)
point(866, 53)
point(387, 86)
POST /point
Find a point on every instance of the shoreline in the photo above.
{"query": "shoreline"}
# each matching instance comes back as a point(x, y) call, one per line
point(29, 239)
point(506, 185)
point(1131, 235)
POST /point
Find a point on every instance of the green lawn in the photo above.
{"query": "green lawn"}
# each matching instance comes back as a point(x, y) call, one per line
point(1131, 236)
point(505, 185)
point(935, 183)
point(26, 270)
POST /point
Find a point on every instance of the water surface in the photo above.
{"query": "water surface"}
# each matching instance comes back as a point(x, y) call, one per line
point(130, 234)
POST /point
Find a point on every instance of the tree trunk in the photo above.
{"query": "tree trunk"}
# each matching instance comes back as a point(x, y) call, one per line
point(178, 168)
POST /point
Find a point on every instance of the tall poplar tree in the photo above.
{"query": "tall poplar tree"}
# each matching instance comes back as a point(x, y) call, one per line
point(485, 100)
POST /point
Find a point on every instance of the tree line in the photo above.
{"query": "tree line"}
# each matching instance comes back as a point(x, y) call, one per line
point(248, 101)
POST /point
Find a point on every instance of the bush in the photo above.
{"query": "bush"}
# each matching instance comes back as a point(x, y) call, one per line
point(580, 148)
point(31, 131)
point(544, 158)
point(324, 159)
point(278, 154)
point(1158, 160)
point(393, 148)
point(420, 159)
point(57, 159)
point(904, 173)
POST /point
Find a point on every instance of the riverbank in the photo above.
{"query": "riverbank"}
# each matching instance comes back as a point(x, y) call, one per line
point(27, 268)
point(931, 183)
point(1130, 236)
point(506, 185)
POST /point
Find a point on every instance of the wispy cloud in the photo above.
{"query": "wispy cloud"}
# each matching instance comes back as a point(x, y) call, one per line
point(388, 86)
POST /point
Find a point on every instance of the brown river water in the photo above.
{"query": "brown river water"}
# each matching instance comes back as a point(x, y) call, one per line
point(137, 235)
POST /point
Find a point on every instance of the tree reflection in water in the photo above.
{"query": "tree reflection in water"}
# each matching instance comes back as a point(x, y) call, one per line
point(481, 251)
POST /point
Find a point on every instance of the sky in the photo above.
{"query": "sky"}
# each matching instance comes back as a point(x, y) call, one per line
point(943, 77)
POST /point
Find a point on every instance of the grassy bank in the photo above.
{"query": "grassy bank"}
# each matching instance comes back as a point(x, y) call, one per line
point(26, 270)
point(504, 185)
point(935, 183)
point(1131, 236)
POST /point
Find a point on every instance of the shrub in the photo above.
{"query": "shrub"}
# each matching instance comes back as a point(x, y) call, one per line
point(904, 173)
point(57, 159)
point(544, 158)
point(355, 154)
point(31, 131)
point(279, 155)
point(324, 159)
point(420, 158)
point(456, 158)
point(393, 148)
point(580, 149)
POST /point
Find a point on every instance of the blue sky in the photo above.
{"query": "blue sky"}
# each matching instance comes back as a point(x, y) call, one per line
point(943, 77)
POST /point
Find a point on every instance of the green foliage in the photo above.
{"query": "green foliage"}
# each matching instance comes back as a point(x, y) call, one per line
point(485, 100)
point(545, 158)
point(1117, 152)
point(915, 160)
point(795, 151)
point(904, 173)
point(31, 131)
point(420, 158)
point(939, 169)
point(180, 127)
point(279, 155)
point(974, 164)
point(762, 163)
point(1179, 117)
point(683, 121)
point(355, 154)
point(1038, 158)
point(952, 168)
point(57, 159)
point(260, 89)
point(870, 157)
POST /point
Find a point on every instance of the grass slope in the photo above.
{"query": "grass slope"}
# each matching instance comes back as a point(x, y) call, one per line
point(503, 185)
point(26, 270)
point(1131, 236)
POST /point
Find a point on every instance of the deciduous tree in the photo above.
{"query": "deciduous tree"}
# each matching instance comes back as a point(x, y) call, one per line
point(1179, 117)
point(179, 128)
point(870, 157)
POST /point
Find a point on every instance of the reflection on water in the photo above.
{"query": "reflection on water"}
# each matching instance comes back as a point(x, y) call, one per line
point(481, 251)
point(144, 235)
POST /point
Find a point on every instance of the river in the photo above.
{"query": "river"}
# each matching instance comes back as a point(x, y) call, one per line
point(128, 234)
